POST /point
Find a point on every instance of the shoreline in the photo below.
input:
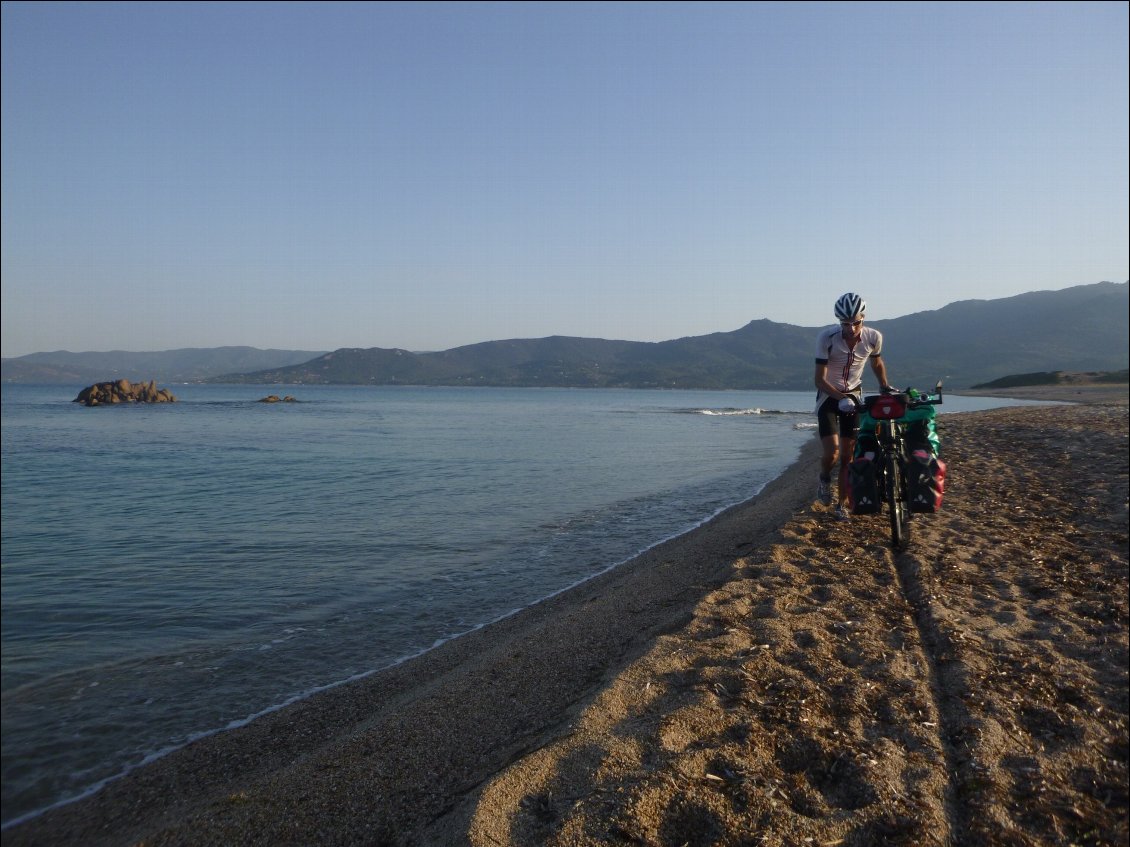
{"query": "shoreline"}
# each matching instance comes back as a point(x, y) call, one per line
point(1089, 393)
point(238, 756)
point(404, 660)
point(474, 741)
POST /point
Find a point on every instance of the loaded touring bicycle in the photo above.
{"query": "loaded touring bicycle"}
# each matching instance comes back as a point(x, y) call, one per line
point(896, 459)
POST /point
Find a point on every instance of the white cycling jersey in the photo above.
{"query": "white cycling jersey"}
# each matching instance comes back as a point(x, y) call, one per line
point(845, 363)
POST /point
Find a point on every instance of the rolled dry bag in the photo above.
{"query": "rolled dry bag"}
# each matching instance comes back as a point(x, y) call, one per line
point(925, 481)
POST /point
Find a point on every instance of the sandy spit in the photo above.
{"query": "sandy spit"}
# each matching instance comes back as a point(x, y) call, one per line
point(775, 677)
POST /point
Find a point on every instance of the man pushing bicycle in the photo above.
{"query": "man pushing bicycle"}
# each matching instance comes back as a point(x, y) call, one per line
point(842, 350)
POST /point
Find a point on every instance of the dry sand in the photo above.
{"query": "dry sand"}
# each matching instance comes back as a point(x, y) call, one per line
point(776, 677)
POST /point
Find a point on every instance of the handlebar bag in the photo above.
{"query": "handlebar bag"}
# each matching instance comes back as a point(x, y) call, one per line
point(886, 407)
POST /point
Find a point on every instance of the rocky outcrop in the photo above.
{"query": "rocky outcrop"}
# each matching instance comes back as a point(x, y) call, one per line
point(274, 398)
point(123, 391)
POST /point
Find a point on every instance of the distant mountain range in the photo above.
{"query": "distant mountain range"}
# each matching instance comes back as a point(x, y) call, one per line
point(1083, 328)
point(188, 365)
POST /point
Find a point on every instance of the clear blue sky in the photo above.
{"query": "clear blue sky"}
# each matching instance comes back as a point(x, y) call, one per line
point(429, 175)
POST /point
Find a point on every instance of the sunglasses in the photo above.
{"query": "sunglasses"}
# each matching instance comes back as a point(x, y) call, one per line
point(852, 323)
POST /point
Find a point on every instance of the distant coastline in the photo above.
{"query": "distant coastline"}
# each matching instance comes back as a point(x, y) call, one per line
point(1073, 388)
point(970, 343)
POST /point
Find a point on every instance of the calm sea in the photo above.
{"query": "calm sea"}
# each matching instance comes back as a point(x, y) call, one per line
point(173, 570)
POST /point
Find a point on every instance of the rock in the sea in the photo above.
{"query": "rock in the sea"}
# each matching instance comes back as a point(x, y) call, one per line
point(274, 398)
point(122, 391)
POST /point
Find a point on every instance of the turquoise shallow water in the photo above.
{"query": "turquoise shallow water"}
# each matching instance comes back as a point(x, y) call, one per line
point(173, 570)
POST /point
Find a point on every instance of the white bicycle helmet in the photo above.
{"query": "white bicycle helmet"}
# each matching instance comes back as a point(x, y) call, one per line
point(850, 306)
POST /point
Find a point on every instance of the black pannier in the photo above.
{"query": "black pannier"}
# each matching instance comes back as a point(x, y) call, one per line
point(865, 488)
point(925, 480)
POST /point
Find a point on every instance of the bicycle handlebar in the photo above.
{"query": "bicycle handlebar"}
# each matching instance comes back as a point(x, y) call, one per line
point(919, 399)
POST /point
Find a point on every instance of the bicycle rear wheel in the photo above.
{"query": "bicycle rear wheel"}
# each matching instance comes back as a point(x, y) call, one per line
point(897, 509)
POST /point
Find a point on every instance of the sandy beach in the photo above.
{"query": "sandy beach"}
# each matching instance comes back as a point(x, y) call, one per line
point(775, 677)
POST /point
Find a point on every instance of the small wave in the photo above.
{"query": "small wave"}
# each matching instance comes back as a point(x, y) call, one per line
point(735, 412)
point(730, 412)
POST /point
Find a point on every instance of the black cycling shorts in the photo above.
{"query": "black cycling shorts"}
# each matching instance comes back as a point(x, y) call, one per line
point(830, 418)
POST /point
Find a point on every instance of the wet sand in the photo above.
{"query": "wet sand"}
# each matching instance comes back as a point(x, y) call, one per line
point(774, 677)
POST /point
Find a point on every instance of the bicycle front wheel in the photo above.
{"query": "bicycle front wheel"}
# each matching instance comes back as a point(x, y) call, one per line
point(896, 504)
